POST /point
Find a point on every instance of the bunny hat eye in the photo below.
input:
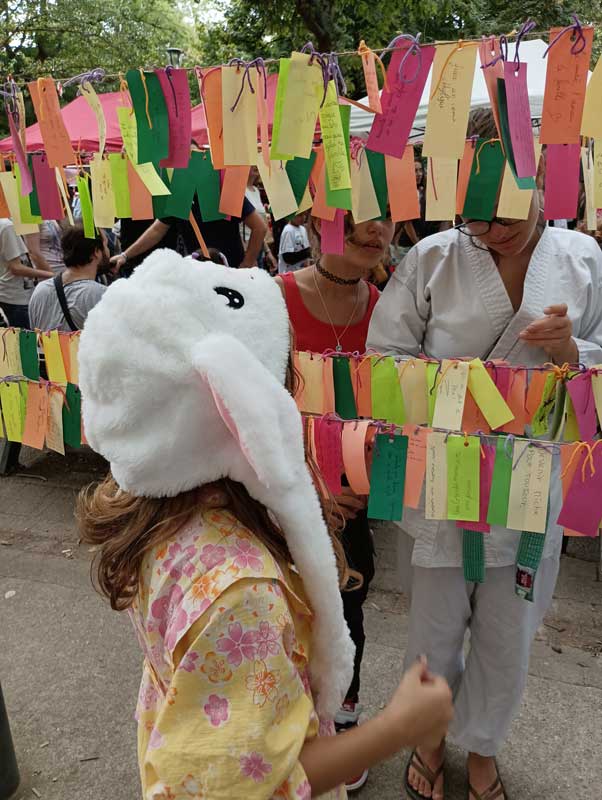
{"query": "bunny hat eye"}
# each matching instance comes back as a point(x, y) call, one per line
point(235, 299)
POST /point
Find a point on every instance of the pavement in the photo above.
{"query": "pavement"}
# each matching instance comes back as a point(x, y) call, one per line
point(70, 666)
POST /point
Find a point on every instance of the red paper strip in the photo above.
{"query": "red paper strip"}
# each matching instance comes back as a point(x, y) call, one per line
point(329, 452)
point(519, 119)
point(401, 183)
point(332, 234)
point(47, 188)
point(174, 83)
point(391, 129)
point(562, 181)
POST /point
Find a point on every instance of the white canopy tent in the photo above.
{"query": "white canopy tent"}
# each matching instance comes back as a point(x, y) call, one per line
point(531, 52)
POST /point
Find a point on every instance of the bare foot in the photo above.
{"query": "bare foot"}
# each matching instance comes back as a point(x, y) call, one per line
point(433, 759)
point(482, 776)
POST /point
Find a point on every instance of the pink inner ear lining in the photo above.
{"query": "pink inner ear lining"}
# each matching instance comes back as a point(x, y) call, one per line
point(231, 425)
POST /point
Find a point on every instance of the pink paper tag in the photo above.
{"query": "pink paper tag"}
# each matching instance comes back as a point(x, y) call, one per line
point(332, 234)
point(26, 184)
point(582, 510)
point(501, 378)
point(562, 181)
point(582, 395)
point(391, 129)
point(327, 436)
point(47, 188)
point(519, 119)
point(174, 83)
point(486, 478)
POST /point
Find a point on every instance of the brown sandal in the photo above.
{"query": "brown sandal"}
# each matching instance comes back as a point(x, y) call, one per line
point(427, 773)
point(495, 792)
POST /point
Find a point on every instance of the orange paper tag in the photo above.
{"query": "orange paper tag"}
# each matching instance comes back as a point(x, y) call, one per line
point(310, 394)
point(535, 391)
point(64, 340)
point(233, 190)
point(320, 208)
point(361, 371)
point(354, 456)
point(57, 143)
point(516, 400)
point(141, 200)
point(473, 419)
point(36, 417)
point(210, 86)
point(401, 183)
point(369, 65)
point(489, 50)
point(328, 383)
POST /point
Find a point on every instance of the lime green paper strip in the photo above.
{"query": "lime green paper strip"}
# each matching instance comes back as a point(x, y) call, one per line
point(341, 198)
point(387, 399)
point(463, 477)
point(83, 190)
point(121, 187)
point(278, 103)
point(432, 370)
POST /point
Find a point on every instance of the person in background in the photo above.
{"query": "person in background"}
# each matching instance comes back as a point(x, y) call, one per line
point(265, 259)
point(44, 247)
point(223, 234)
point(214, 255)
point(294, 251)
point(76, 288)
point(15, 277)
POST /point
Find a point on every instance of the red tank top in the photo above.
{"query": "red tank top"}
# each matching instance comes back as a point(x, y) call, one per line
point(316, 336)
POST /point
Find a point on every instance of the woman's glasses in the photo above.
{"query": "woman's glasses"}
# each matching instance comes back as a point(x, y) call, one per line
point(481, 227)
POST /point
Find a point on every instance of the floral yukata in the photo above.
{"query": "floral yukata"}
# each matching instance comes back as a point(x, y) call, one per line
point(225, 704)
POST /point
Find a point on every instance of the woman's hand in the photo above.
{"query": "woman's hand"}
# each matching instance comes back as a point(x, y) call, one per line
point(554, 333)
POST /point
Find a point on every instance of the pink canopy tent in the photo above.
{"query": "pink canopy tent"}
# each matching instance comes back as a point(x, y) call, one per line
point(83, 130)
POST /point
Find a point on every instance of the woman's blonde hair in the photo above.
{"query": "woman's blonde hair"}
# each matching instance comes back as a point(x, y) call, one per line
point(126, 528)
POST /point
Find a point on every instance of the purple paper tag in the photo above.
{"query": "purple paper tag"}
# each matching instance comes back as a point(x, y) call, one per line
point(47, 188)
point(519, 119)
point(582, 509)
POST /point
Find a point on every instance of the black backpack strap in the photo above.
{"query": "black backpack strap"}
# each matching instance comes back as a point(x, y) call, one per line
point(60, 291)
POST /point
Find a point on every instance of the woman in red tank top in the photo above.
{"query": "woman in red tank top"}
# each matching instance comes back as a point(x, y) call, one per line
point(330, 305)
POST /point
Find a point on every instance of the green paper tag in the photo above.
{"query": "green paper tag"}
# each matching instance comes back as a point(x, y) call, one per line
point(278, 103)
point(344, 398)
point(83, 189)
point(298, 171)
point(23, 394)
point(387, 399)
point(463, 475)
point(500, 485)
point(121, 187)
point(72, 421)
point(153, 139)
point(25, 210)
point(541, 419)
point(387, 478)
point(481, 194)
point(341, 198)
point(160, 201)
point(34, 200)
point(207, 186)
point(432, 370)
point(376, 162)
point(571, 431)
point(182, 187)
point(29, 355)
point(522, 183)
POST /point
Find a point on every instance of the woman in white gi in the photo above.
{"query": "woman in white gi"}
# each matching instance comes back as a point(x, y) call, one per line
point(529, 294)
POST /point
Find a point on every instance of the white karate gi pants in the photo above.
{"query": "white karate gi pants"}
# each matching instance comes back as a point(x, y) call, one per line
point(488, 685)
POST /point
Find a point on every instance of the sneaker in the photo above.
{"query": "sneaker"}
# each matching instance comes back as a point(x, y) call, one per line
point(347, 716)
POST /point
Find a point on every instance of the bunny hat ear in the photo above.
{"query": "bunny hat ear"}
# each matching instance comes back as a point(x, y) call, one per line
point(182, 372)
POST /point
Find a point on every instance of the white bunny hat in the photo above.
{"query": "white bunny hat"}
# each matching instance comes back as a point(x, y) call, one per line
point(182, 370)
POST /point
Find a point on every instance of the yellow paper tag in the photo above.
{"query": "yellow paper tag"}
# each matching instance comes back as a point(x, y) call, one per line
point(450, 395)
point(73, 357)
point(306, 201)
point(449, 105)
point(10, 354)
point(589, 186)
point(129, 132)
point(240, 125)
point(591, 121)
point(300, 107)
point(487, 396)
point(102, 192)
point(335, 150)
point(515, 203)
point(364, 202)
point(412, 379)
point(54, 432)
point(278, 188)
point(311, 398)
point(529, 487)
point(93, 101)
point(54, 357)
point(598, 173)
point(151, 179)
point(435, 504)
point(8, 181)
point(441, 183)
point(10, 398)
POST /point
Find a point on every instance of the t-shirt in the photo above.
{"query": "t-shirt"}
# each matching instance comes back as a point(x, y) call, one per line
point(45, 311)
point(294, 238)
point(253, 195)
point(223, 234)
point(50, 245)
point(14, 289)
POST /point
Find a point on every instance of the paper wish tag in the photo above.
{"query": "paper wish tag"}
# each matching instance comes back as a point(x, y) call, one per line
point(54, 431)
point(529, 487)
point(487, 396)
point(515, 202)
point(387, 400)
point(562, 181)
point(364, 201)
point(485, 482)
point(10, 353)
point(92, 99)
point(53, 356)
point(28, 349)
point(102, 192)
point(36, 417)
point(121, 191)
point(589, 184)
point(300, 106)
point(591, 122)
point(48, 190)
point(387, 477)
point(174, 83)
point(232, 194)
point(582, 395)
point(463, 478)
point(361, 374)
point(329, 451)
point(581, 510)
point(450, 395)
point(596, 373)
point(435, 504)
point(502, 475)
point(401, 183)
point(441, 189)
point(415, 465)
point(239, 115)
point(354, 456)
point(335, 147)
point(278, 189)
point(412, 379)
point(343, 388)
point(310, 394)
point(150, 110)
point(57, 144)
point(72, 416)
point(370, 78)
point(10, 400)
point(519, 118)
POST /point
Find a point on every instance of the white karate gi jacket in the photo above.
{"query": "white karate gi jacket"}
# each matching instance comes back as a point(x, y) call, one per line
point(447, 300)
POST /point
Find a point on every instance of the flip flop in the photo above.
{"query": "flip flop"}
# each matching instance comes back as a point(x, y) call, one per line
point(495, 792)
point(427, 773)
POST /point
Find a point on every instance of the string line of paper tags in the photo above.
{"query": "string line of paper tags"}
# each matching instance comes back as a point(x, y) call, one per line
point(466, 434)
point(325, 171)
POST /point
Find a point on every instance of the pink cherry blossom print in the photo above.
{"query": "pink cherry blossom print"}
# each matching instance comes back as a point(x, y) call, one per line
point(253, 766)
point(179, 560)
point(164, 608)
point(246, 555)
point(189, 662)
point(217, 709)
point(238, 644)
point(212, 555)
point(267, 641)
point(156, 740)
point(304, 791)
point(175, 626)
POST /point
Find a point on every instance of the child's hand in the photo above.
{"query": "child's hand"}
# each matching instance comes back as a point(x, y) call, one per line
point(421, 709)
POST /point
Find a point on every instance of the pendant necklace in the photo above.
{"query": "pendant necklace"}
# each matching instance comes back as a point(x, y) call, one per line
point(339, 346)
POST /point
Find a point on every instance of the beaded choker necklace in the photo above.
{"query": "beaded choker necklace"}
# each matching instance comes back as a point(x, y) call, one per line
point(335, 278)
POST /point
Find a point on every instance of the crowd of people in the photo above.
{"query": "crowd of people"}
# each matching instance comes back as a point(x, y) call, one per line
point(518, 290)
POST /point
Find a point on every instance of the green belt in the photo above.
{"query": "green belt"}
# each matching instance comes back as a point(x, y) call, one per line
point(473, 556)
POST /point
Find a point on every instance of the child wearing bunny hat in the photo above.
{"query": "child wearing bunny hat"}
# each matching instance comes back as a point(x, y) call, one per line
point(212, 537)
